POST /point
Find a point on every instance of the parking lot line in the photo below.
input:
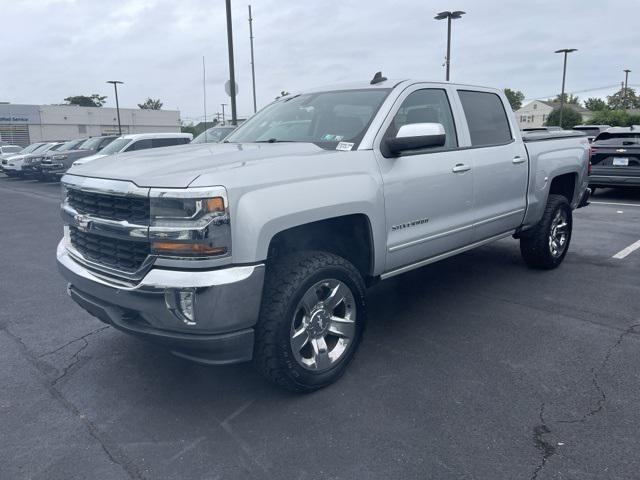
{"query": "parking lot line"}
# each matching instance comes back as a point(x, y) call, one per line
point(618, 204)
point(626, 251)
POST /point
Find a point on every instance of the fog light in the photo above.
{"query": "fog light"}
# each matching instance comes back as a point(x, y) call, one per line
point(182, 304)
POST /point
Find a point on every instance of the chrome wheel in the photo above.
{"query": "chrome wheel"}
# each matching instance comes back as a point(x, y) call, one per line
point(559, 233)
point(323, 325)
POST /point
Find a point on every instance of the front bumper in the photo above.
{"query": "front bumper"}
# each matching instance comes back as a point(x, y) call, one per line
point(226, 304)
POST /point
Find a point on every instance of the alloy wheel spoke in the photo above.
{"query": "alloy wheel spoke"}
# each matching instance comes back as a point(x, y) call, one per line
point(309, 301)
point(320, 353)
point(342, 327)
point(299, 339)
point(337, 295)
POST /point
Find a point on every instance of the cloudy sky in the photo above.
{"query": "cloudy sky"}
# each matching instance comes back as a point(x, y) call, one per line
point(56, 48)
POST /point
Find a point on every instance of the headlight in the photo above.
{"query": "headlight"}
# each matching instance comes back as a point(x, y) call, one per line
point(190, 223)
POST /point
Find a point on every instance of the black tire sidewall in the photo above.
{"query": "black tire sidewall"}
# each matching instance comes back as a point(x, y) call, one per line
point(296, 372)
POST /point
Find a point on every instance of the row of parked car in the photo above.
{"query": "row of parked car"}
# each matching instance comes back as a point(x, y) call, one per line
point(48, 161)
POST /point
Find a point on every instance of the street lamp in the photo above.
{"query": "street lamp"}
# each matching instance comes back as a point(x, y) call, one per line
point(115, 86)
point(626, 82)
point(564, 74)
point(449, 16)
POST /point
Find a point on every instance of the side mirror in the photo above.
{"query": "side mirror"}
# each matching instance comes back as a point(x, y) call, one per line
point(415, 136)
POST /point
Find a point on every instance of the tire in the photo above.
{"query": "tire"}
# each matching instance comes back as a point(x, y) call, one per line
point(537, 246)
point(292, 284)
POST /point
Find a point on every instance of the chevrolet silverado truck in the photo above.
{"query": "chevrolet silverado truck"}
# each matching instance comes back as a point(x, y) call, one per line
point(261, 248)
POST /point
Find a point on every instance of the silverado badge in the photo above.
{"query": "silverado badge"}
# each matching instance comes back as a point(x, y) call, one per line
point(82, 222)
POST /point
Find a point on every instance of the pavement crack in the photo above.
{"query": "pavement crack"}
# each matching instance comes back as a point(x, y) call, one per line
point(602, 396)
point(75, 358)
point(547, 449)
point(62, 347)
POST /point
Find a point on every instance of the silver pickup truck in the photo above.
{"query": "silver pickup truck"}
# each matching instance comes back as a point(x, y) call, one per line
point(261, 247)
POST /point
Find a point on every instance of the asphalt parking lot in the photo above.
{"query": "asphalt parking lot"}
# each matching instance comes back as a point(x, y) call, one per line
point(472, 368)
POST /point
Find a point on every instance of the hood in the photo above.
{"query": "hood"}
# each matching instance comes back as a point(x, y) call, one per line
point(90, 158)
point(179, 166)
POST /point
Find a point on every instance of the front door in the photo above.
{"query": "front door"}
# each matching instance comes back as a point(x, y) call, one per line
point(428, 193)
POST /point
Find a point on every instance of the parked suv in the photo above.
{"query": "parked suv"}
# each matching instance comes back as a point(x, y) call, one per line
point(7, 151)
point(261, 247)
point(54, 167)
point(15, 165)
point(615, 158)
point(138, 141)
point(591, 131)
point(214, 135)
point(33, 164)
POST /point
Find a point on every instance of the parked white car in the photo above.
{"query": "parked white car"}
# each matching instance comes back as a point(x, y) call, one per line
point(138, 141)
point(7, 151)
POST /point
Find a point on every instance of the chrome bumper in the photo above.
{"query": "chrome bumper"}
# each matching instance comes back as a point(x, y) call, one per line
point(225, 303)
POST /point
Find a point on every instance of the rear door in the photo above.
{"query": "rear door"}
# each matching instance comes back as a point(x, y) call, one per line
point(500, 164)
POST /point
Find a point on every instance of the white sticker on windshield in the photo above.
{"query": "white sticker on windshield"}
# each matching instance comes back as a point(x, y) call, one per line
point(344, 146)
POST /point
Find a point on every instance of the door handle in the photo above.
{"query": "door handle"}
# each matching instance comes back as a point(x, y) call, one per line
point(517, 160)
point(460, 167)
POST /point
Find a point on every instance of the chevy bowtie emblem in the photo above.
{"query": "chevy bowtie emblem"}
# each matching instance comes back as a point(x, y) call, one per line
point(82, 222)
point(621, 150)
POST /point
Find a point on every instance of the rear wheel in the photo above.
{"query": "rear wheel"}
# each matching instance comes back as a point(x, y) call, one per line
point(311, 321)
point(546, 244)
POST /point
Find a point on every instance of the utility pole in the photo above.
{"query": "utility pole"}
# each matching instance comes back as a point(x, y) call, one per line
point(626, 83)
point(232, 74)
point(115, 86)
point(564, 74)
point(223, 105)
point(449, 16)
point(253, 69)
point(204, 93)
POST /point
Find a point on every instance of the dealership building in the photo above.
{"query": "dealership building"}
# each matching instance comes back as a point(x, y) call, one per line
point(25, 124)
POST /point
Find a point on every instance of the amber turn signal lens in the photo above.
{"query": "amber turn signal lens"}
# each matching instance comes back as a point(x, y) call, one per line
point(215, 204)
point(187, 248)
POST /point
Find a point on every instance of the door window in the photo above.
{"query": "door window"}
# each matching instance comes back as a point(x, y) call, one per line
point(167, 142)
point(426, 106)
point(486, 118)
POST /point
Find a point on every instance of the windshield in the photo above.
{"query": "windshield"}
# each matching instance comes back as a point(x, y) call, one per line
point(31, 148)
point(55, 147)
point(622, 138)
point(116, 146)
point(213, 135)
point(91, 144)
point(325, 118)
point(70, 145)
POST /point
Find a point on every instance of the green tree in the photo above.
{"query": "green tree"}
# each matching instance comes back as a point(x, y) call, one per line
point(569, 99)
point(515, 98)
point(615, 118)
point(620, 101)
point(94, 100)
point(595, 104)
point(570, 118)
point(151, 104)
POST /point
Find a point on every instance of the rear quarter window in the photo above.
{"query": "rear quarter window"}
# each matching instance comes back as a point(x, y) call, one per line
point(486, 117)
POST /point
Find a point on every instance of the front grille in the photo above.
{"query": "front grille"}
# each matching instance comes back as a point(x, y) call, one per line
point(112, 207)
point(122, 255)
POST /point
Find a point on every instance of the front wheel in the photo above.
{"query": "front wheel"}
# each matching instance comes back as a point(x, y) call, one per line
point(546, 244)
point(311, 321)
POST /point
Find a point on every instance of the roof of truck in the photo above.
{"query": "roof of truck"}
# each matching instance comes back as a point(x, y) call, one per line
point(388, 83)
point(143, 136)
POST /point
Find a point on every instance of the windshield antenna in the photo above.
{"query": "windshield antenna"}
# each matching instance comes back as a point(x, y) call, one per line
point(377, 78)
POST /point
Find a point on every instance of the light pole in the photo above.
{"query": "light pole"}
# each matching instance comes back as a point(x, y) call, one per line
point(232, 74)
point(449, 16)
point(223, 105)
point(253, 69)
point(626, 82)
point(564, 75)
point(115, 86)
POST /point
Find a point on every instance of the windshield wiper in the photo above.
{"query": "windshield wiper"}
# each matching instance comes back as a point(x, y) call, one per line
point(275, 140)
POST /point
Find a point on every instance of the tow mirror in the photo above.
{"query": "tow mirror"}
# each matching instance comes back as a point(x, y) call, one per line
point(416, 136)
